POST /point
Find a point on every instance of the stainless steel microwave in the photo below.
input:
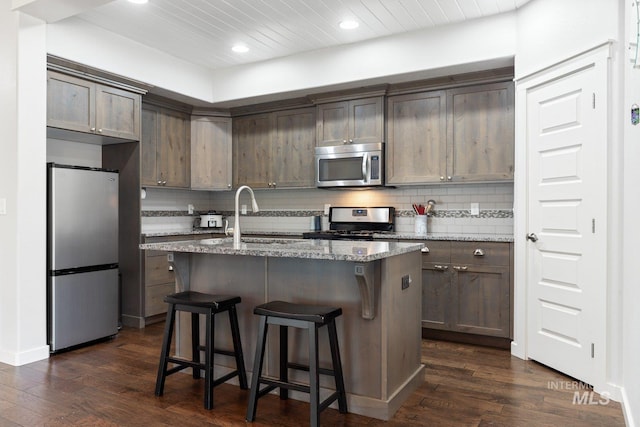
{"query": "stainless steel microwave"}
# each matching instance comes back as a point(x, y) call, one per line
point(350, 165)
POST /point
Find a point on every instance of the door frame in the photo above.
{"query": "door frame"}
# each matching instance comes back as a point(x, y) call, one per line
point(601, 54)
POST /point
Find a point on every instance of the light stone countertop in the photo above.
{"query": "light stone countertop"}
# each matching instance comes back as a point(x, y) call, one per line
point(334, 250)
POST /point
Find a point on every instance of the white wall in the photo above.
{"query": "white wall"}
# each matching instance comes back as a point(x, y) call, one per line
point(23, 184)
point(457, 46)
point(550, 31)
point(87, 44)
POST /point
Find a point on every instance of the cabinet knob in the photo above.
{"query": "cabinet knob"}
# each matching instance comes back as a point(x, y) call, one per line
point(478, 252)
point(171, 268)
point(93, 129)
point(344, 141)
point(100, 130)
point(164, 182)
point(228, 185)
point(351, 141)
point(442, 178)
point(274, 185)
point(159, 182)
point(448, 178)
point(425, 250)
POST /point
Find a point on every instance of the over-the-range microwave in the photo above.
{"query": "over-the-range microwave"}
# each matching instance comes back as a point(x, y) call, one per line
point(350, 165)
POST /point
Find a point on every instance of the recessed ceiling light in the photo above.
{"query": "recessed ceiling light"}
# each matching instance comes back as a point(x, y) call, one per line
point(349, 24)
point(240, 48)
point(138, 1)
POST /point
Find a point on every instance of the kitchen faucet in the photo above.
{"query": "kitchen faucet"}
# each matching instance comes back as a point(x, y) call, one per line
point(236, 225)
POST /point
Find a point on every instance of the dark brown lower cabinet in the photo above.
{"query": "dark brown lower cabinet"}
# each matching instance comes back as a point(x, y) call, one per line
point(467, 288)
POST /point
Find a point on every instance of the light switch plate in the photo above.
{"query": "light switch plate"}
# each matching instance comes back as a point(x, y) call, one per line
point(475, 209)
point(190, 209)
point(326, 208)
point(3, 206)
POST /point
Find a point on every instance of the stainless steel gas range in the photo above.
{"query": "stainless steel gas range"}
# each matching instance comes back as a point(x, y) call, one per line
point(356, 223)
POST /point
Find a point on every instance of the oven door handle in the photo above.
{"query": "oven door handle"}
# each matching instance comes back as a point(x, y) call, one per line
point(365, 161)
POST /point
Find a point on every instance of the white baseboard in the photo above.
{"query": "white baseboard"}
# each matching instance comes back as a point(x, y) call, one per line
point(22, 358)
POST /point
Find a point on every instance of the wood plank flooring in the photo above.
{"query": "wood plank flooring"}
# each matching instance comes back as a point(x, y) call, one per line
point(112, 384)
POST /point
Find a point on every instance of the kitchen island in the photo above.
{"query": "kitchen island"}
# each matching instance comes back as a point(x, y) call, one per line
point(376, 283)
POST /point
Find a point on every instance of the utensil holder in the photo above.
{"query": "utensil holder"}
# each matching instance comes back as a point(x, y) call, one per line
point(420, 224)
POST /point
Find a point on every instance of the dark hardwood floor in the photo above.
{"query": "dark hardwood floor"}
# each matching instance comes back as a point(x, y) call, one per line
point(112, 384)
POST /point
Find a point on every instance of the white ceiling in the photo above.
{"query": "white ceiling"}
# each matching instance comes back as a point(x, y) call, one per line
point(203, 31)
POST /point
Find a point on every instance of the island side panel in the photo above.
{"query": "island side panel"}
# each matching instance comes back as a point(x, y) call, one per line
point(401, 312)
point(243, 276)
point(331, 283)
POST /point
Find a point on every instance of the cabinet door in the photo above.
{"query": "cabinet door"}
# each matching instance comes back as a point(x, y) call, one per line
point(416, 138)
point(366, 120)
point(481, 300)
point(211, 156)
point(436, 296)
point(332, 123)
point(436, 285)
point(70, 103)
point(481, 132)
point(148, 146)
point(252, 150)
point(174, 141)
point(117, 113)
point(293, 145)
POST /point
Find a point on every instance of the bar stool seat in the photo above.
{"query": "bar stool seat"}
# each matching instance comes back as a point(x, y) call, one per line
point(305, 316)
point(198, 303)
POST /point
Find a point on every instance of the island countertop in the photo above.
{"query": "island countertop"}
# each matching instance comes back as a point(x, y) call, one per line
point(336, 250)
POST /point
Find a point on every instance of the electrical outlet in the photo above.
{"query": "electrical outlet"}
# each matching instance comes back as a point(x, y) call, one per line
point(326, 208)
point(406, 281)
point(475, 209)
point(243, 210)
point(190, 209)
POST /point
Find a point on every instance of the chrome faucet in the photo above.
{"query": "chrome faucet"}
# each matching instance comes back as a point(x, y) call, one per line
point(236, 225)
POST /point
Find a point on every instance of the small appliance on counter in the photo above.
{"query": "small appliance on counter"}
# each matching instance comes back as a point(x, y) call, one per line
point(353, 223)
point(211, 220)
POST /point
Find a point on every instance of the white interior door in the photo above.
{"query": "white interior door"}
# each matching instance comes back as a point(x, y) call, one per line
point(566, 253)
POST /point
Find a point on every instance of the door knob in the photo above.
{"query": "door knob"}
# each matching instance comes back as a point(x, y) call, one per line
point(532, 237)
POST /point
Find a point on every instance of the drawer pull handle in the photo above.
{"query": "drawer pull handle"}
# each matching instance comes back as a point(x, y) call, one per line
point(441, 267)
point(478, 252)
point(425, 250)
point(460, 268)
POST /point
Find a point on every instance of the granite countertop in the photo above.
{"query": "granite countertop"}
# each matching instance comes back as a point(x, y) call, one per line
point(334, 250)
point(382, 236)
point(449, 236)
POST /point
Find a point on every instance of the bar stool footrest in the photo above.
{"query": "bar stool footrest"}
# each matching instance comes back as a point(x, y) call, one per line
point(300, 367)
point(282, 384)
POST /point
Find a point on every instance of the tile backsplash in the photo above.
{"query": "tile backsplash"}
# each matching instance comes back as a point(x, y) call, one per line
point(290, 210)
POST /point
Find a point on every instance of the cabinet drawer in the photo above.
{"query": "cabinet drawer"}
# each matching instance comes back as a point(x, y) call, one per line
point(156, 270)
point(154, 298)
point(436, 251)
point(480, 253)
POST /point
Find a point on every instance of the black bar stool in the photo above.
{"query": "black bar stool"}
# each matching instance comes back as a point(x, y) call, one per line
point(310, 317)
point(199, 303)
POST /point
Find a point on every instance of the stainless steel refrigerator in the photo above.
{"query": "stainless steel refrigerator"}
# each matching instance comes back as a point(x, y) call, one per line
point(82, 255)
